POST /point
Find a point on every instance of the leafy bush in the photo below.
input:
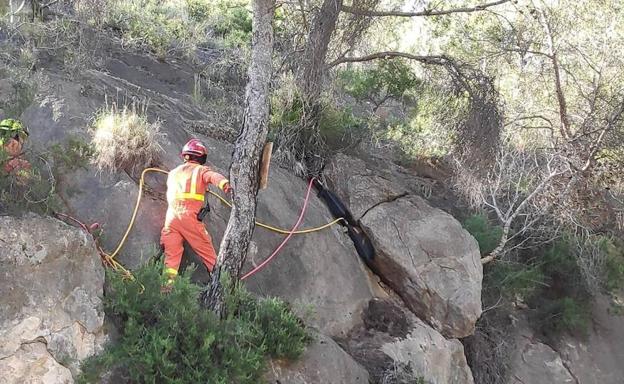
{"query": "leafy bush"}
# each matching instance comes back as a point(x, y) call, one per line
point(339, 127)
point(232, 21)
point(75, 154)
point(513, 279)
point(386, 79)
point(161, 26)
point(172, 339)
point(486, 234)
point(28, 189)
point(564, 302)
point(125, 139)
point(614, 265)
point(561, 315)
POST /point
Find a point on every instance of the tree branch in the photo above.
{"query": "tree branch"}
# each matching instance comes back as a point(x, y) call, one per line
point(436, 59)
point(426, 12)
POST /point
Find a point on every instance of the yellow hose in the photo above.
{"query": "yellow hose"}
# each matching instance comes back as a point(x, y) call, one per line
point(111, 257)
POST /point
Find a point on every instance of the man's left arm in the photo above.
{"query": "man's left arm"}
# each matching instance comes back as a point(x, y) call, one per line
point(215, 178)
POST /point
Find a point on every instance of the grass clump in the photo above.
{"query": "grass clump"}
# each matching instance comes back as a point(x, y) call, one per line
point(172, 339)
point(125, 140)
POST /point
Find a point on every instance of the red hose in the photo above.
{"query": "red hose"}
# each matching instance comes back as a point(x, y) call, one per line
point(279, 247)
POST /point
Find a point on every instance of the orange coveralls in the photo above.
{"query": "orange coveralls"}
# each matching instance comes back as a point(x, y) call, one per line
point(13, 148)
point(186, 186)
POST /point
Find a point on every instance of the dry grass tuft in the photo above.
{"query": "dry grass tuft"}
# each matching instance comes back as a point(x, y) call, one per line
point(125, 140)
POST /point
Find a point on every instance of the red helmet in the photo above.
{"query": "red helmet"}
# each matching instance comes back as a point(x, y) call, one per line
point(194, 147)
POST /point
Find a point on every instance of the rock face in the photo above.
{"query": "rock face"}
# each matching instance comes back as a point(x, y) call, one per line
point(539, 363)
point(318, 273)
point(396, 346)
point(597, 358)
point(423, 253)
point(51, 313)
point(323, 362)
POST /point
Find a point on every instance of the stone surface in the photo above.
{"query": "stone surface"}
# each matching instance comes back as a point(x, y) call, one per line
point(430, 261)
point(423, 253)
point(51, 313)
point(324, 362)
point(539, 363)
point(404, 346)
point(597, 358)
point(319, 273)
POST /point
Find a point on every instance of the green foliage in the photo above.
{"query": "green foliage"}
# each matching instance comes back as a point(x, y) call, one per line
point(564, 315)
point(162, 26)
point(232, 22)
point(514, 279)
point(614, 264)
point(75, 154)
point(383, 80)
point(429, 130)
point(559, 263)
point(340, 127)
point(170, 338)
point(486, 234)
point(28, 190)
point(564, 303)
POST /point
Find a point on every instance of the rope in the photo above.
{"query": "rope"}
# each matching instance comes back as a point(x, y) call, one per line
point(279, 230)
point(110, 258)
point(292, 232)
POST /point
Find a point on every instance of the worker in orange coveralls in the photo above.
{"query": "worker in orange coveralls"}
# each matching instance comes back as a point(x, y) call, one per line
point(186, 186)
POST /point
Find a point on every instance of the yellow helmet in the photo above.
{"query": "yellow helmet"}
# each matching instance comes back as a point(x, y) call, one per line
point(11, 128)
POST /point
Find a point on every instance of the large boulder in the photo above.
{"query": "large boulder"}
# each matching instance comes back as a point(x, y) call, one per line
point(51, 287)
point(319, 273)
point(422, 252)
point(323, 362)
point(395, 346)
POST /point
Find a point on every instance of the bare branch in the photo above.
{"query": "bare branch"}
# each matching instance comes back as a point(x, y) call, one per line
point(435, 59)
point(426, 12)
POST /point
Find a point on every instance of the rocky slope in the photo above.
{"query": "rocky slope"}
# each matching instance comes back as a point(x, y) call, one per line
point(319, 273)
point(400, 315)
point(51, 315)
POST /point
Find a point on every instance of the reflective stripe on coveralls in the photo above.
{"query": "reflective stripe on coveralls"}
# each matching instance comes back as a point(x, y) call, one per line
point(193, 193)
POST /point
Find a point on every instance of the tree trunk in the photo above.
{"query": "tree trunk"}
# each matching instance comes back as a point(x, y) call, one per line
point(245, 160)
point(313, 65)
point(501, 245)
point(310, 80)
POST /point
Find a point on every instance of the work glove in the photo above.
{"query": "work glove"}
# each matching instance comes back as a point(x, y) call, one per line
point(227, 188)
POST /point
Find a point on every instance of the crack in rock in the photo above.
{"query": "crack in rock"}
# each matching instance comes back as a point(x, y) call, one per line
point(388, 200)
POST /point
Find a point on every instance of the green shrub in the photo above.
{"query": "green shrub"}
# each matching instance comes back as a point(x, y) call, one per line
point(486, 234)
point(564, 303)
point(379, 82)
point(564, 315)
point(172, 339)
point(431, 126)
point(232, 22)
point(614, 264)
point(161, 26)
point(513, 279)
point(27, 190)
point(75, 154)
point(340, 127)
